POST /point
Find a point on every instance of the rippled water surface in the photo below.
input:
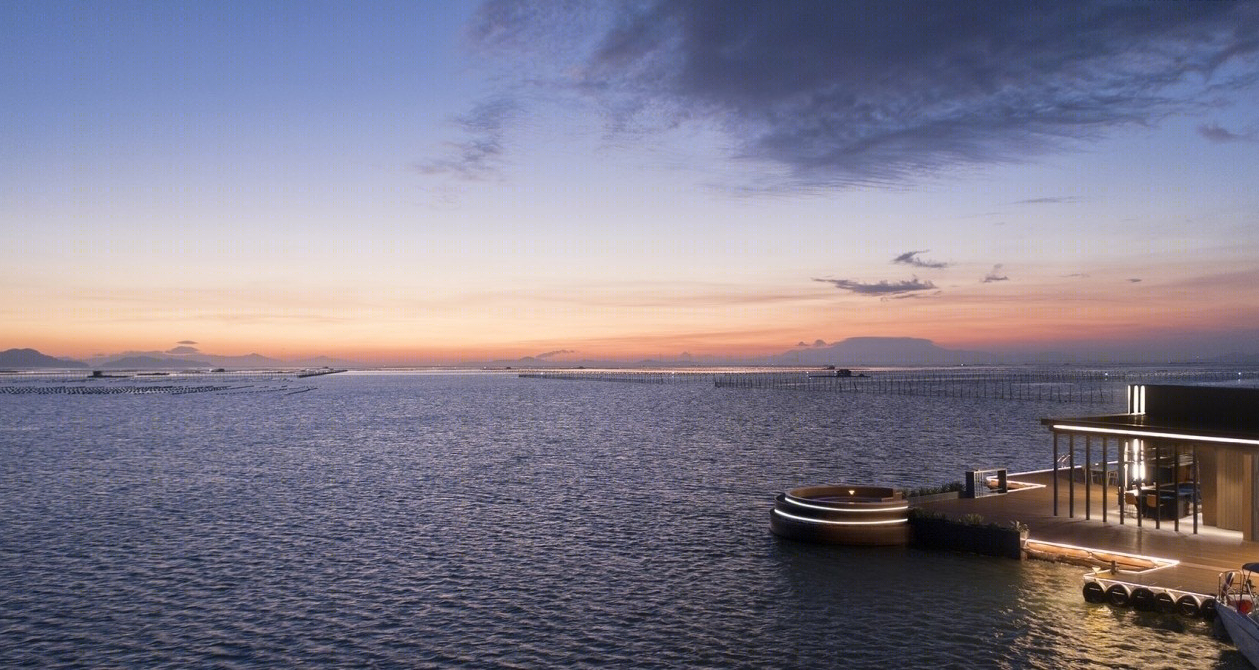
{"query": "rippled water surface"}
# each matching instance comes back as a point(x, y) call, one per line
point(420, 520)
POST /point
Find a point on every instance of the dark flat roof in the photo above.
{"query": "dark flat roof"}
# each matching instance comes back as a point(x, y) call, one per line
point(1234, 408)
point(1177, 428)
point(1183, 413)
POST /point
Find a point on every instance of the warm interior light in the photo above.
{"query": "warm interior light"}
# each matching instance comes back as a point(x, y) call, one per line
point(852, 492)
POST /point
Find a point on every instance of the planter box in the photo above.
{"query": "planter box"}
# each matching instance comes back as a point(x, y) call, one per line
point(947, 495)
point(958, 536)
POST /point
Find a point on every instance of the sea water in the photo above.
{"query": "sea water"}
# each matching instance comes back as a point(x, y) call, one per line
point(484, 520)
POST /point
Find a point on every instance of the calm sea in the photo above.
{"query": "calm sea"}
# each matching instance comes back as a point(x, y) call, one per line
point(483, 520)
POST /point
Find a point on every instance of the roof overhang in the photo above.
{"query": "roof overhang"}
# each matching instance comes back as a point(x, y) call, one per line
point(1140, 426)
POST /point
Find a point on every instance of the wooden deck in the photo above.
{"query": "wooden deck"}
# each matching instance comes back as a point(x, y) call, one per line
point(1202, 557)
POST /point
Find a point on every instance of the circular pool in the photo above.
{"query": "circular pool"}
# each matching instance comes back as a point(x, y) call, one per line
point(842, 514)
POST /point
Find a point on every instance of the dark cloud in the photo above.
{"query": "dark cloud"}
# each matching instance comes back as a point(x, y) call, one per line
point(882, 288)
point(185, 342)
point(852, 93)
point(1075, 275)
point(1216, 133)
point(911, 258)
point(995, 275)
point(557, 352)
point(1134, 280)
point(819, 343)
point(479, 156)
point(1046, 201)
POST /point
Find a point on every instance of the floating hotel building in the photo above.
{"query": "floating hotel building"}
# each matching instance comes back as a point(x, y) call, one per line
point(1180, 458)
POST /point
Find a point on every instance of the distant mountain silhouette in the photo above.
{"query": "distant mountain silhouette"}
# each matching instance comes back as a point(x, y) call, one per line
point(153, 363)
point(163, 360)
point(527, 362)
point(325, 361)
point(882, 351)
point(30, 358)
point(246, 361)
point(852, 352)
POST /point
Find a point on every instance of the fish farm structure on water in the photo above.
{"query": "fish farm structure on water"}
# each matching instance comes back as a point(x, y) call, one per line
point(1045, 385)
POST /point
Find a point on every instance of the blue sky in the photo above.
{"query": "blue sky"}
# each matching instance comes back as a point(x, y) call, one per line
point(425, 182)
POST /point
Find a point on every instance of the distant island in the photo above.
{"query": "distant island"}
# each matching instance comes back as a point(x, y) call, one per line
point(852, 352)
point(30, 358)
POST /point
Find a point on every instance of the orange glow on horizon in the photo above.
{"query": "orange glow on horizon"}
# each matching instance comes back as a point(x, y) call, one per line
point(614, 325)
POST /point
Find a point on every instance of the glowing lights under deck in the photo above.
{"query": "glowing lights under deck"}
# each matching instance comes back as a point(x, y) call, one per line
point(844, 514)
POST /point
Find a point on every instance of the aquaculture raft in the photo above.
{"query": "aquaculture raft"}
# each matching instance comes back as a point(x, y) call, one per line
point(842, 514)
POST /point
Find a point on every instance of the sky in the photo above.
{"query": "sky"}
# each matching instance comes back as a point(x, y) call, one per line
point(436, 182)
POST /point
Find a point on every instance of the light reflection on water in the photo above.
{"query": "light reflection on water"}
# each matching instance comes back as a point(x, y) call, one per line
point(485, 520)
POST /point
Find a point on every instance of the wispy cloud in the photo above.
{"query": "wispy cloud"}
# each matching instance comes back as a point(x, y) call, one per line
point(840, 95)
point(1217, 133)
point(479, 155)
point(911, 296)
point(1051, 200)
point(911, 258)
point(995, 275)
point(185, 342)
point(880, 288)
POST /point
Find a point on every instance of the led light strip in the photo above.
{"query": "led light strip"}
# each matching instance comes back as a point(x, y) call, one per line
point(799, 501)
point(839, 523)
point(1147, 433)
point(1165, 562)
point(1024, 486)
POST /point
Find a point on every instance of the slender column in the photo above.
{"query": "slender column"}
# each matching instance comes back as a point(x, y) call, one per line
point(1138, 458)
point(1176, 485)
point(1071, 470)
point(1088, 476)
point(1105, 477)
point(1124, 482)
point(1139, 454)
point(1055, 473)
point(1194, 495)
point(1158, 506)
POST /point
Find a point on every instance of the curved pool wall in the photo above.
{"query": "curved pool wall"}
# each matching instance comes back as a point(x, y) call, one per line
point(842, 514)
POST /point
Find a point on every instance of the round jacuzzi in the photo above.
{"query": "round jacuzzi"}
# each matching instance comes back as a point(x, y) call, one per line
point(842, 514)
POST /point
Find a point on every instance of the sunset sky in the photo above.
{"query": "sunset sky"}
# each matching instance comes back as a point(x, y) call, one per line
point(438, 181)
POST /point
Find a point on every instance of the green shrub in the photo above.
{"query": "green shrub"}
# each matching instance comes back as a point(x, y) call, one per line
point(933, 490)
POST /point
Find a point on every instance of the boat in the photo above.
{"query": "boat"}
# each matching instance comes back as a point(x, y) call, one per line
point(1237, 609)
